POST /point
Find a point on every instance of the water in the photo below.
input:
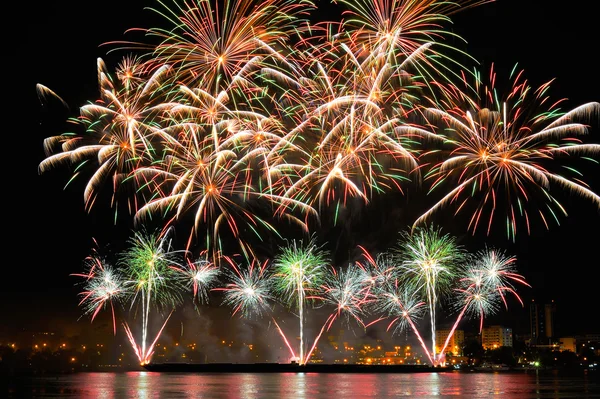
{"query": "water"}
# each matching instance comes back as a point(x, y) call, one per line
point(306, 385)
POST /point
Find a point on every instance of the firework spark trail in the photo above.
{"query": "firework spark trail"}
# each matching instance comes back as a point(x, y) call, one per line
point(421, 341)
point(309, 353)
point(151, 265)
point(299, 267)
point(285, 340)
point(404, 305)
point(148, 355)
point(141, 353)
point(348, 291)
point(451, 333)
point(429, 261)
point(134, 344)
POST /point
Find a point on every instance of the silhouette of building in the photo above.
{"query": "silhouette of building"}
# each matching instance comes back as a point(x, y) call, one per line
point(541, 320)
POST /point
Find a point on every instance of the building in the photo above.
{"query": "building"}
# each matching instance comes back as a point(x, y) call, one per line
point(568, 344)
point(493, 337)
point(541, 320)
point(455, 345)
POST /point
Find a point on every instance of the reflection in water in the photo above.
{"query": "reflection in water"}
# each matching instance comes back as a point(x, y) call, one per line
point(307, 385)
point(140, 388)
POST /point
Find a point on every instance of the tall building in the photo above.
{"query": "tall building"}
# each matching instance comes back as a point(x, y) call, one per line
point(541, 320)
point(493, 337)
point(455, 344)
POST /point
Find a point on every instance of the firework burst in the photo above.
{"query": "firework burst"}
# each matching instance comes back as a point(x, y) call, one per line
point(489, 276)
point(199, 275)
point(503, 151)
point(249, 290)
point(212, 40)
point(120, 128)
point(347, 291)
point(103, 286)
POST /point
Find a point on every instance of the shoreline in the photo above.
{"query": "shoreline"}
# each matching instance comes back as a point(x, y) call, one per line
point(289, 368)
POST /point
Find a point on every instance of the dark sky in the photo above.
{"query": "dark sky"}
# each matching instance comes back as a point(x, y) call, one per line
point(49, 233)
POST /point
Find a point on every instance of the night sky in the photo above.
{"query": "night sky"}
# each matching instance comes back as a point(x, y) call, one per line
point(49, 233)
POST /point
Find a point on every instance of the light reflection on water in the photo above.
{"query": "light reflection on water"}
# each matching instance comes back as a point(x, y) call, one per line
point(307, 385)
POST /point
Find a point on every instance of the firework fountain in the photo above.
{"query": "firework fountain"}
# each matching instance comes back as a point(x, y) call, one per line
point(299, 271)
point(428, 261)
point(149, 264)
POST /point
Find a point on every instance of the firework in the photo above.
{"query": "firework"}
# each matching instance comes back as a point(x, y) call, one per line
point(503, 150)
point(211, 41)
point(406, 25)
point(120, 129)
point(347, 291)
point(200, 174)
point(199, 275)
point(245, 114)
point(299, 270)
point(249, 290)
point(196, 176)
point(103, 285)
point(151, 265)
point(429, 263)
point(490, 275)
point(379, 270)
point(498, 272)
point(348, 140)
point(405, 308)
